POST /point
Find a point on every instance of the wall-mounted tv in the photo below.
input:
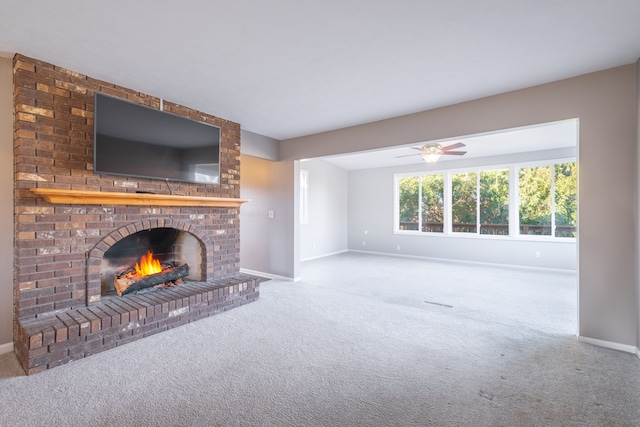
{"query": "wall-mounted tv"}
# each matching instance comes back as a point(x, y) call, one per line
point(134, 140)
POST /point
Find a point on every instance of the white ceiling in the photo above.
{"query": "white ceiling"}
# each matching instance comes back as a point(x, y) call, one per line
point(287, 68)
point(549, 136)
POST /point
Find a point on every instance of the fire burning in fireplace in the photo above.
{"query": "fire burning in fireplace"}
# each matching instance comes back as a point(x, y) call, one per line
point(148, 265)
point(149, 273)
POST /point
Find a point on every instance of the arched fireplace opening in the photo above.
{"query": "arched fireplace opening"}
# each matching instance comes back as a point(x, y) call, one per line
point(168, 246)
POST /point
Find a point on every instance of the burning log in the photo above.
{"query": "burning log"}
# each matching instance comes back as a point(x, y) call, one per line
point(129, 281)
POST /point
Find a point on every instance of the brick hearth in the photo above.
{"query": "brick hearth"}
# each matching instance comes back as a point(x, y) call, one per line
point(77, 333)
point(59, 315)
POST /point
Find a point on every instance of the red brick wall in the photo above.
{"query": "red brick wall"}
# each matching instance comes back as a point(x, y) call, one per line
point(53, 148)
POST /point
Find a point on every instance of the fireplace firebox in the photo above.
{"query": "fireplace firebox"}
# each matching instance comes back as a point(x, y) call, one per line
point(152, 257)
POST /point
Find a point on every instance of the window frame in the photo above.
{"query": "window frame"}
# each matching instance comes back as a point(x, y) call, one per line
point(514, 202)
point(304, 196)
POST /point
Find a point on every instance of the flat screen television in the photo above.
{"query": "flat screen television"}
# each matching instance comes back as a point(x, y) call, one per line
point(134, 140)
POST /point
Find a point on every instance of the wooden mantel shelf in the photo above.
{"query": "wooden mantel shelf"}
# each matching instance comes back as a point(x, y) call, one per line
point(81, 197)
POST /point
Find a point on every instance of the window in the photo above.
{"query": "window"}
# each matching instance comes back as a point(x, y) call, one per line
point(421, 203)
point(548, 200)
point(432, 203)
point(304, 196)
point(409, 203)
point(566, 200)
point(479, 202)
point(485, 195)
point(494, 202)
point(463, 202)
point(535, 200)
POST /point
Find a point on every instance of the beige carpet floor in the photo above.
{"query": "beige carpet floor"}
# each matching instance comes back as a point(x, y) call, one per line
point(363, 340)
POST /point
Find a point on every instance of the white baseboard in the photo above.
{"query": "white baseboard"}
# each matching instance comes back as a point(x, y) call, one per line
point(612, 345)
point(268, 275)
point(492, 264)
point(638, 352)
point(6, 348)
point(324, 255)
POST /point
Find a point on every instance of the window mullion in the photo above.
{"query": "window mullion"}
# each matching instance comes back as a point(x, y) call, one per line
point(553, 200)
point(420, 229)
point(396, 201)
point(447, 204)
point(514, 201)
point(478, 202)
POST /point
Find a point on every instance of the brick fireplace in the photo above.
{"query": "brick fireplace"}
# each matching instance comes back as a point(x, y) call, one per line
point(61, 312)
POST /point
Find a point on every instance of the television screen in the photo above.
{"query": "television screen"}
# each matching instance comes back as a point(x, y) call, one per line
point(135, 140)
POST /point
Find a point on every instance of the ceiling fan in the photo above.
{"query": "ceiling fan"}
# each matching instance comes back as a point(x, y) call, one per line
point(431, 152)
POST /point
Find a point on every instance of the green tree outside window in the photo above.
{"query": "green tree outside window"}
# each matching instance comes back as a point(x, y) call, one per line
point(494, 202)
point(463, 202)
point(566, 194)
point(409, 203)
point(433, 203)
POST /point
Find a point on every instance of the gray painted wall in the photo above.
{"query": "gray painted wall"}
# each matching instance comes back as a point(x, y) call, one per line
point(326, 232)
point(256, 145)
point(267, 244)
point(605, 104)
point(6, 195)
point(371, 221)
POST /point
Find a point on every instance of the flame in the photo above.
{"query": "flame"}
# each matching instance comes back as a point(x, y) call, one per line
point(148, 265)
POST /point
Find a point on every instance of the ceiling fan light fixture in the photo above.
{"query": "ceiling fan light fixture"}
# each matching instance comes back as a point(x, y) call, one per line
point(431, 157)
point(430, 153)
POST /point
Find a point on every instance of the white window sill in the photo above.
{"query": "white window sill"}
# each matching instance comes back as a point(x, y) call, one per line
point(527, 238)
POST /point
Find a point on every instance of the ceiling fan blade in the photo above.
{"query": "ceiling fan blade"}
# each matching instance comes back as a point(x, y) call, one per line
point(453, 146)
point(455, 153)
point(418, 148)
point(409, 155)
